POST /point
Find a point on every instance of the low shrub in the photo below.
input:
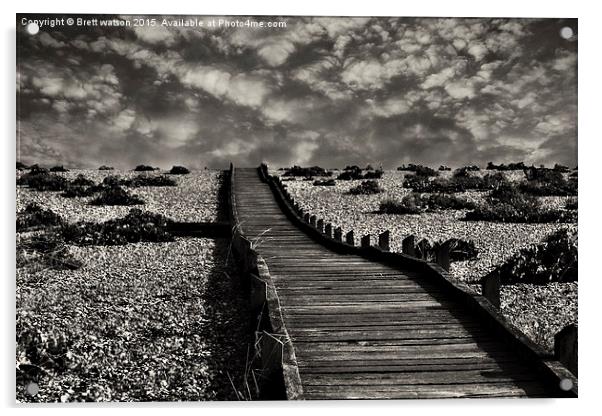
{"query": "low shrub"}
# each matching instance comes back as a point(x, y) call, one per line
point(46, 251)
point(37, 169)
point(144, 168)
point(553, 260)
point(34, 216)
point(471, 168)
point(508, 204)
point(58, 169)
point(366, 188)
point(407, 205)
point(136, 226)
point(420, 170)
point(444, 168)
point(351, 173)
point(462, 250)
point(21, 166)
point(105, 167)
point(144, 180)
point(307, 172)
point(179, 170)
point(460, 182)
point(510, 166)
point(325, 182)
point(416, 203)
point(561, 168)
point(41, 180)
point(81, 180)
point(116, 195)
point(571, 204)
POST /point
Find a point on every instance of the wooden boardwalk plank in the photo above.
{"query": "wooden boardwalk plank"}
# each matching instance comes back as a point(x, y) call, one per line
point(366, 330)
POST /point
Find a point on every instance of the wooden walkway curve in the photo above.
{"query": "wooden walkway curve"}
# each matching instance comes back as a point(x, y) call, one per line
point(365, 330)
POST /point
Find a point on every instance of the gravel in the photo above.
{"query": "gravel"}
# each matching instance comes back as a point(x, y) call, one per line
point(358, 213)
point(140, 322)
point(194, 199)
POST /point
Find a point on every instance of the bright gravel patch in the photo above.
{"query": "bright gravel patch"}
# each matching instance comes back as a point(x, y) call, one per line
point(540, 311)
point(194, 199)
point(495, 241)
point(139, 322)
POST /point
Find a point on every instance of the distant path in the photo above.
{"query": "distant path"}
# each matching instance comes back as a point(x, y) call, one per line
point(365, 330)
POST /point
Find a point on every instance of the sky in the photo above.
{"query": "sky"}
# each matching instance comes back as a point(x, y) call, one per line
point(323, 91)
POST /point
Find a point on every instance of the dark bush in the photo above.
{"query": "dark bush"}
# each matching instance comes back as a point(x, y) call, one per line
point(508, 204)
point(58, 169)
point(444, 168)
point(136, 226)
point(144, 168)
point(351, 173)
point(115, 195)
point(21, 166)
point(420, 170)
point(415, 203)
point(425, 171)
point(307, 172)
point(325, 182)
point(369, 167)
point(41, 180)
point(366, 188)
point(462, 250)
point(104, 167)
point(460, 182)
point(548, 182)
point(571, 204)
point(37, 170)
point(179, 170)
point(46, 251)
point(510, 166)
point(34, 216)
point(554, 260)
point(444, 201)
point(143, 180)
point(81, 180)
point(561, 168)
point(471, 168)
point(409, 205)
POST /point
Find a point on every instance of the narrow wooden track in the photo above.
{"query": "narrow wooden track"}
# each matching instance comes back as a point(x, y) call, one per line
point(365, 330)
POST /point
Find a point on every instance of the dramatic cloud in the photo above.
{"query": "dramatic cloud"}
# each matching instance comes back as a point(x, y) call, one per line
point(328, 91)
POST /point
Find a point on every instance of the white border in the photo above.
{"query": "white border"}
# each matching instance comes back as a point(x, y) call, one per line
point(589, 161)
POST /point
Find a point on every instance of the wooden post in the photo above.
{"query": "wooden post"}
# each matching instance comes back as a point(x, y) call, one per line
point(320, 225)
point(383, 240)
point(423, 248)
point(442, 254)
point(408, 246)
point(490, 285)
point(349, 239)
point(565, 347)
point(306, 217)
point(328, 230)
point(312, 221)
point(338, 234)
point(365, 241)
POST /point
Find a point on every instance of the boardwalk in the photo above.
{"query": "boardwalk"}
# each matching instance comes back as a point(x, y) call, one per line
point(366, 330)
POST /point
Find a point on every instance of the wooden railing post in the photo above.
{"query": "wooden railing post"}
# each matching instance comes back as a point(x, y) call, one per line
point(490, 286)
point(306, 217)
point(565, 347)
point(423, 247)
point(338, 234)
point(328, 230)
point(383, 240)
point(365, 241)
point(442, 254)
point(349, 238)
point(408, 246)
point(320, 225)
point(312, 221)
